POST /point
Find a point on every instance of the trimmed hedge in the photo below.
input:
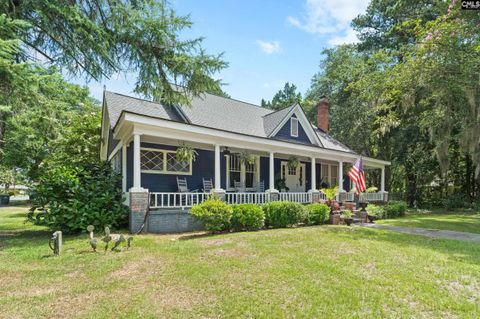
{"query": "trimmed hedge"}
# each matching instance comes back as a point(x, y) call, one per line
point(284, 214)
point(247, 217)
point(318, 213)
point(390, 210)
point(214, 214)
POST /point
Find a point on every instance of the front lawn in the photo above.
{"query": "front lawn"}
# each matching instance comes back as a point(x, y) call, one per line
point(464, 222)
point(311, 272)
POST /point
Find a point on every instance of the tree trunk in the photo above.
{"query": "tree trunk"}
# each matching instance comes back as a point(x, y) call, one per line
point(411, 186)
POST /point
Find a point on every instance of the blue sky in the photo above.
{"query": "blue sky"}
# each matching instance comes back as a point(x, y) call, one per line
point(266, 43)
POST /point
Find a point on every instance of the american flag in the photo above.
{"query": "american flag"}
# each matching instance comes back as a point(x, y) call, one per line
point(357, 176)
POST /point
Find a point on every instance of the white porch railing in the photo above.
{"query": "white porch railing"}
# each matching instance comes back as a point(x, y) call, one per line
point(246, 198)
point(297, 197)
point(377, 197)
point(183, 200)
point(176, 200)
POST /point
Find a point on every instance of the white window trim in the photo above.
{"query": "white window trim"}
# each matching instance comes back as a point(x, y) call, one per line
point(242, 173)
point(164, 171)
point(292, 120)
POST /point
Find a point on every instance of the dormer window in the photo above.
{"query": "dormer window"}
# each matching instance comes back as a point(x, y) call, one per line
point(294, 127)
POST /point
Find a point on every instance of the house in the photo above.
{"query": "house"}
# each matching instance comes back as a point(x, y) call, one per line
point(242, 149)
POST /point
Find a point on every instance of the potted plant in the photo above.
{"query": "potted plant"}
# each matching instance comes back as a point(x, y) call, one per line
point(374, 212)
point(280, 184)
point(330, 194)
point(293, 162)
point(247, 159)
point(347, 216)
point(185, 153)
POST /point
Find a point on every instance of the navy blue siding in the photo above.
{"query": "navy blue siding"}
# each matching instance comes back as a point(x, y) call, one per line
point(112, 143)
point(284, 133)
point(203, 167)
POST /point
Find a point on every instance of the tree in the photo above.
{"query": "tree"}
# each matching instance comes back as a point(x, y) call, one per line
point(283, 98)
point(98, 38)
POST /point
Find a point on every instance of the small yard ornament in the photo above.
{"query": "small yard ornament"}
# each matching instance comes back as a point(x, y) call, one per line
point(116, 239)
point(55, 242)
point(93, 240)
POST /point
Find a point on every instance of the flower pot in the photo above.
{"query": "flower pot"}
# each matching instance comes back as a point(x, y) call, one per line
point(348, 221)
point(335, 219)
point(363, 206)
point(4, 199)
point(371, 218)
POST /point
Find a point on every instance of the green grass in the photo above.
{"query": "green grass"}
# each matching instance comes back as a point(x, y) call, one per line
point(464, 222)
point(311, 272)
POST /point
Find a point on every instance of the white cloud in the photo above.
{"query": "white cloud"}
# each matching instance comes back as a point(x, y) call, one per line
point(330, 17)
point(349, 37)
point(269, 47)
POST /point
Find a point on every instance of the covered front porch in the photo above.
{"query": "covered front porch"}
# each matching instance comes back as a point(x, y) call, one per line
point(148, 163)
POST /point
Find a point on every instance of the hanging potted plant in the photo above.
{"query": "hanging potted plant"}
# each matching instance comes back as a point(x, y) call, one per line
point(293, 162)
point(247, 159)
point(185, 153)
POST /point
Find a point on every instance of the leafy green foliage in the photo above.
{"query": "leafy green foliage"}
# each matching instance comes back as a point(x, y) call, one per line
point(99, 38)
point(215, 214)
point(283, 98)
point(390, 210)
point(247, 217)
point(284, 214)
point(70, 199)
point(318, 213)
point(347, 213)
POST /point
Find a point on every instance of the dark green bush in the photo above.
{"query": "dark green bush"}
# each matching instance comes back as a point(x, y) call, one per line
point(214, 214)
point(395, 209)
point(318, 213)
point(247, 217)
point(284, 214)
point(70, 199)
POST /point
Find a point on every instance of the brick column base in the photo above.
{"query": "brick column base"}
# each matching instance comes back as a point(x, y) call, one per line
point(273, 195)
point(316, 198)
point(139, 204)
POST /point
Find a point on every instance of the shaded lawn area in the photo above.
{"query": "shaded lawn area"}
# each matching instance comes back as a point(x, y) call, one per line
point(464, 222)
point(311, 272)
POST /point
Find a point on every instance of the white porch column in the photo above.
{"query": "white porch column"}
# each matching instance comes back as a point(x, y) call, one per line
point(124, 167)
point(340, 176)
point(313, 178)
point(382, 181)
point(217, 168)
point(271, 174)
point(136, 162)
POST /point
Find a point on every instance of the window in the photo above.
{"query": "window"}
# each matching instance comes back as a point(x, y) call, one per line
point(116, 163)
point(294, 127)
point(163, 162)
point(245, 174)
point(324, 176)
point(234, 170)
point(333, 175)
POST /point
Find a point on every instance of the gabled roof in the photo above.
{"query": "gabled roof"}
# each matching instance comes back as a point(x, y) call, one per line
point(272, 120)
point(215, 112)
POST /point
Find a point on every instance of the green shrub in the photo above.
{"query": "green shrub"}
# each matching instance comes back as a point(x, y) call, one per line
point(284, 214)
point(347, 213)
point(214, 214)
point(318, 213)
point(247, 217)
point(70, 199)
point(395, 209)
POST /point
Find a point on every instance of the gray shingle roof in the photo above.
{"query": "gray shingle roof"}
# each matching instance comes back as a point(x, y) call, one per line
point(116, 103)
point(213, 111)
point(271, 121)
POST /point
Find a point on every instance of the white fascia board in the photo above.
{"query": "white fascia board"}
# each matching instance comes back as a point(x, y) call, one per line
point(145, 125)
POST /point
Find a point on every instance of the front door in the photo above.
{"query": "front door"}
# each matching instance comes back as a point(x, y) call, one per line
point(294, 177)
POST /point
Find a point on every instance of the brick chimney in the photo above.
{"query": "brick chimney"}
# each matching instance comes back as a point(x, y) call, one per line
point(322, 114)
